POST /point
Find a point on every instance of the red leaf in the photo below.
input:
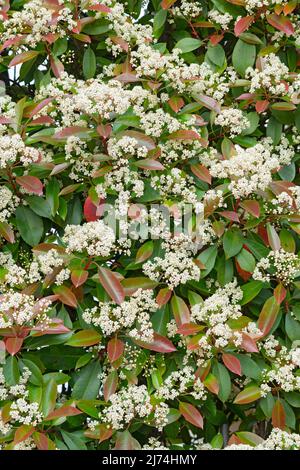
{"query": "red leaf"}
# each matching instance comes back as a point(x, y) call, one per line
point(99, 7)
point(248, 343)
point(159, 344)
point(104, 130)
point(187, 329)
point(22, 433)
point(13, 345)
point(70, 131)
point(201, 172)
point(280, 293)
point(43, 442)
point(290, 7)
point(115, 349)
point(176, 103)
point(7, 232)
point(208, 102)
point(251, 206)
point(149, 164)
point(243, 24)
point(281, 23)
point(65, 410)
point(38, 107)
point(231, 215)
point(163, 296)
point(31, 184)
point(212, 384)
point(23, 57)
point(166, 4)
point(261, 106)
point(191, 414)
point(268, 315)
point(92, 212)
point(216, 38)
point(111, 283)
point(232, 363)
point(56, 66)
point(180, 310)
point(101, 433)
point(110, 385)
point(278, 416)
point(78, 277)
point(66, 296)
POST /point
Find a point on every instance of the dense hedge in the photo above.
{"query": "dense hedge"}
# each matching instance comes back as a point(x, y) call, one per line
point(120, 326)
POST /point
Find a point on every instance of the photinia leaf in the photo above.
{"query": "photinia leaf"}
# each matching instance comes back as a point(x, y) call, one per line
point(268, 315)
point(115, 349)
point(180, 310)
point(232, 363)
point(111, 283)
point(191, 414)
point(110, 385)
point(248, 395)
point(84, 338)
point(278, 416)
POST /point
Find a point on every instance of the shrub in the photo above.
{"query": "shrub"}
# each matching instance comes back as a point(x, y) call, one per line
point(121, 326)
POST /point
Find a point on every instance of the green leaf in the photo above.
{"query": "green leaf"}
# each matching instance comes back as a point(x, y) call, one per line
point(216, 55)
point(73, 440)
point(188, 44)
point(208, 258)
point(232, 242)
point(87, 383)
point(30, 225)
point(49, 397)
point(292, 327)
point(249, 367)
point(158, 22)
point(243, 56)
point(36, 377)
point(250, 291)
point(11, 371)
point(274, 130)
point(224, 268)
point(224, 381)
point(246, 260)
point(89, 63)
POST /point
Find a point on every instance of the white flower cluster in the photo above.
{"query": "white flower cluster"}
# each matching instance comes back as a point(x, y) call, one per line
point(250, 170)
point(94, 237)
point(270, 76)
point(13, 149)
point(187, 9)
point(20, 309)
point(21, 411)
point(176, 266)
point(215, 312)
point(35, 21)
point(222, 19)
point(279, 264)
point(176, 184)
point(133, 313)
point(283, 372)
point(252, 5)
point(277, 440)
point(128, 403)
point(8, 203)
point(232, 120)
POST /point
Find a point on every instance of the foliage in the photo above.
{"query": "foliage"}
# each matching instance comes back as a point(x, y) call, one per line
point(163, 339)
